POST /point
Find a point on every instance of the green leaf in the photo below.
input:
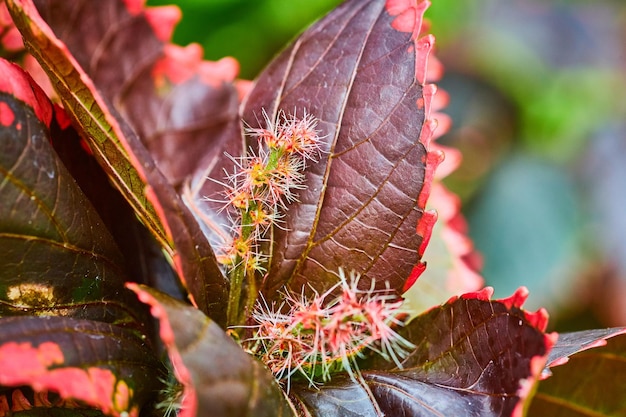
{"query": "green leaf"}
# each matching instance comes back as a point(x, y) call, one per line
point(98, 364)
point(216, 373)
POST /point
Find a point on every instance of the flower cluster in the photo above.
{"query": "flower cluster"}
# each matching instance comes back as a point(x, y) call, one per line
point(258, 191)
point(264, 182)
point(315, 337)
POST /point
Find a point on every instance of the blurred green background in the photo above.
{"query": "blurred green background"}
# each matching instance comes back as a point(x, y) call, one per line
point(538, 102)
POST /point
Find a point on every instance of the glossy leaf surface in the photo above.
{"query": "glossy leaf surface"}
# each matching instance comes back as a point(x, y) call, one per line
point(569, 344)
point(356, 72)
point(143, 255)
point(57, 257)
point(127, 163)
point(87, 109)
point(98, 364)
point(216, 373)
point(473, 357)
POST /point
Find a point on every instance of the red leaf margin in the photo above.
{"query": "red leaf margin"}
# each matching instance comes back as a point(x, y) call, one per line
point(19, 83)
point(38, 367)
point(189, 400)
point(409, 17)
point(208, 363)
point(463, 275)
point(539, 320)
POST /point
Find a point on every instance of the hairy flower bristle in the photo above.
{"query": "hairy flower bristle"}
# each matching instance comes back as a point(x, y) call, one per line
point(258, 191)
point(313, 337)
point(170, 396)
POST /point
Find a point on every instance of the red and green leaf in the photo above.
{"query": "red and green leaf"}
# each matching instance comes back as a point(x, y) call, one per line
point(127, 162)
point(95, 364)
point(57, 257)
point(216, 373)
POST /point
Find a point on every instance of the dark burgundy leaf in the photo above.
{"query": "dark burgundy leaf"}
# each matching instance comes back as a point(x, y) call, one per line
point(570, 343)
point(144, 258)
point(128, 164)
point(473, 357)
point(216, 373)
point(592, 383)
point(177, 103)
point(396, 395)
point(56, 255)
point(98, 364)
point(360, 71)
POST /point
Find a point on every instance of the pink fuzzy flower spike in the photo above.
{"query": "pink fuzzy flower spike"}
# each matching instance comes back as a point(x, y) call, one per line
point(315, 337)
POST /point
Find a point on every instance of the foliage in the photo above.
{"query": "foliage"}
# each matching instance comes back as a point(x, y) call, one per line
point(112, 298)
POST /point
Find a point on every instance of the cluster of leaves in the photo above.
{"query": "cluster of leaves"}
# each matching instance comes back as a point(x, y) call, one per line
point(108, 220)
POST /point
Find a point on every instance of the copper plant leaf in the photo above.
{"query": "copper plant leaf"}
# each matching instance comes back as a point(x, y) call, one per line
point(361, 71)
point(143, 256)
point(569, 344)
point(88, 109)
point(98, 364)
point(177, 103)
point(184, 109)
point(57, 257)
point(593, 383)
point(473, 357)
point(128, 163)
point(217, 375)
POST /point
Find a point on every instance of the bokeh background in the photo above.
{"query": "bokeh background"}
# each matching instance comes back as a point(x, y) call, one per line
point(538, 100)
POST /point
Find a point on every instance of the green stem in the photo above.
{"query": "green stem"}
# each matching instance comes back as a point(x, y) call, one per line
point(240, 275)
point(234, 312)
point(234, 296)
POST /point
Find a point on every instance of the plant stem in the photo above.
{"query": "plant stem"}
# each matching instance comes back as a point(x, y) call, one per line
point(234, 313)
point(234, 296)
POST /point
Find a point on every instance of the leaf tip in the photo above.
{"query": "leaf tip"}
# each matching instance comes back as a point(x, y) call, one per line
point(163, 20)
point(484, 294)
point(415, 274)
point(407, 14)
point(516, 299)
